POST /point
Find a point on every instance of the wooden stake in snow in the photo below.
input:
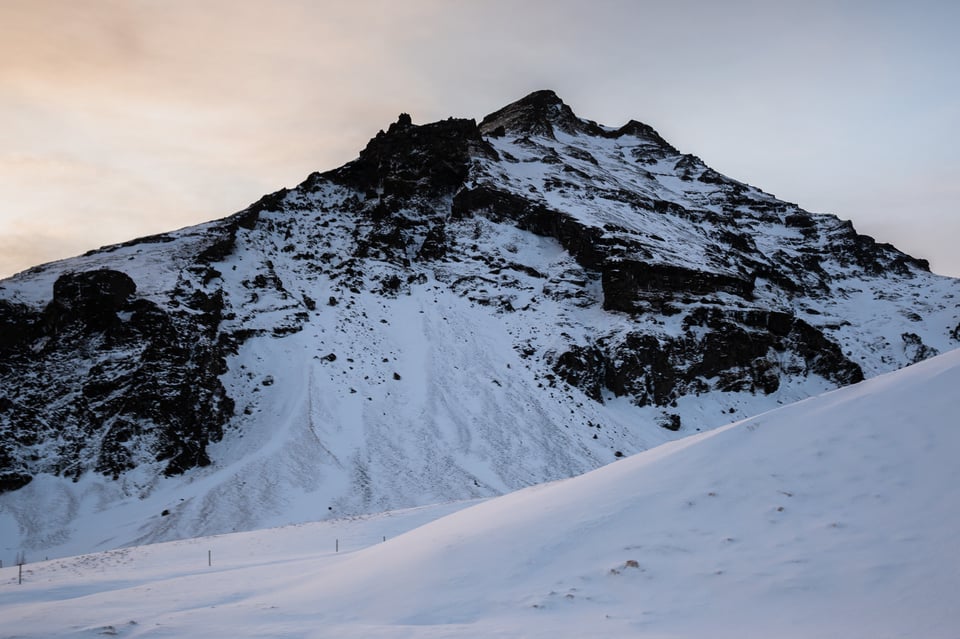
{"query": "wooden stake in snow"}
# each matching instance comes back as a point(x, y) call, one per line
point(337, 547)
point(209, 557)
point(21, 559)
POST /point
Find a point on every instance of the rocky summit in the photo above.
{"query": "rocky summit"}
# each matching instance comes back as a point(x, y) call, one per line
point(463, 310)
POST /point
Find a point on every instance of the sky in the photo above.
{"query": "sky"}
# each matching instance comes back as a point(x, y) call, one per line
point(123, 118)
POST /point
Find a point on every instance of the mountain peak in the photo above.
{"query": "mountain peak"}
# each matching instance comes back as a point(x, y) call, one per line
point(543, 112)
point(450, 315)
point(541, 97)
point(538, 113)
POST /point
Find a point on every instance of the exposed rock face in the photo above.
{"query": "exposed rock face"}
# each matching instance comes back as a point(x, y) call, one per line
point(541, 113)
point(741, 352)
point(408, 162)
point(629, 283)
point(114, 381)
point(586, 265)
point(90, 300)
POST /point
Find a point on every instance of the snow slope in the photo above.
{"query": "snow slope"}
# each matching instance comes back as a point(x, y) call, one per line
point(837, 516)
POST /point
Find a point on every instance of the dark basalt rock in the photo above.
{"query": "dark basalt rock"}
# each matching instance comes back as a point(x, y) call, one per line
point(644, 132)
point(152, 391)
point(426, 161)
point(916, 350)
point(434, 244)
point(536, 114)
point(627, 283)
point(13, 481)
point(17, 326)
point(799, 220)
point(740, 352)
point(90, 299)
point(404, 174)
point(743, 334)
point(584, 243)
point(854, 249)
point(640, 366)
point(584, 368)
point(543, 113)
point(99, 288)
point(670, 421)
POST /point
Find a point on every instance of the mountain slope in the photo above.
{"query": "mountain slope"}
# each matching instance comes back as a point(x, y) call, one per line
point(834, 516)
point(462, 311)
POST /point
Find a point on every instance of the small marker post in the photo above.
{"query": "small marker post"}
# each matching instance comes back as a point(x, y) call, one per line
point(209, 557)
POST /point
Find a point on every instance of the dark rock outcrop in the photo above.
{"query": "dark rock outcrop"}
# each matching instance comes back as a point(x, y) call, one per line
point(90, 300)
point(732, 351)
point(413, 162)
point(18, 324)
point(626, 283)
point(116, 381)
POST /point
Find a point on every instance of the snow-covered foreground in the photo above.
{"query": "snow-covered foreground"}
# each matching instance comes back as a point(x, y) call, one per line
point(838, 516)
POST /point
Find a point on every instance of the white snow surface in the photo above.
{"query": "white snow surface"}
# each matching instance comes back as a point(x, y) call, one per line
point(836, 516)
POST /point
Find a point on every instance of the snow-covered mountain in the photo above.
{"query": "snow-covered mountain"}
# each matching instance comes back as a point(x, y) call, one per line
point(464, 310)
point(838, 516)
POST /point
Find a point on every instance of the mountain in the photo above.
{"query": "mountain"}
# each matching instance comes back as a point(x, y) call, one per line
point(463, 310)
point(837, 516)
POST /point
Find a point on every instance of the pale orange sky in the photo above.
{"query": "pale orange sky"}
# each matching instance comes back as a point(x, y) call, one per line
point(125, 118)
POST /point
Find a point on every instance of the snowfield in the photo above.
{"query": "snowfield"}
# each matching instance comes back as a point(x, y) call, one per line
point(836, 516)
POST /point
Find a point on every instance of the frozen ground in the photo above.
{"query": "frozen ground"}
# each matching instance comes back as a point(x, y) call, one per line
point(837, 516)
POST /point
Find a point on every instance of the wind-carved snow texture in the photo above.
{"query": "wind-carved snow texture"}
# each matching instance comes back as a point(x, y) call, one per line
point(462, 311)
point(836, 516)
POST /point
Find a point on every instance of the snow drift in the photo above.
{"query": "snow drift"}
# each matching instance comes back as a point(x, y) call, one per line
point(837, 516)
